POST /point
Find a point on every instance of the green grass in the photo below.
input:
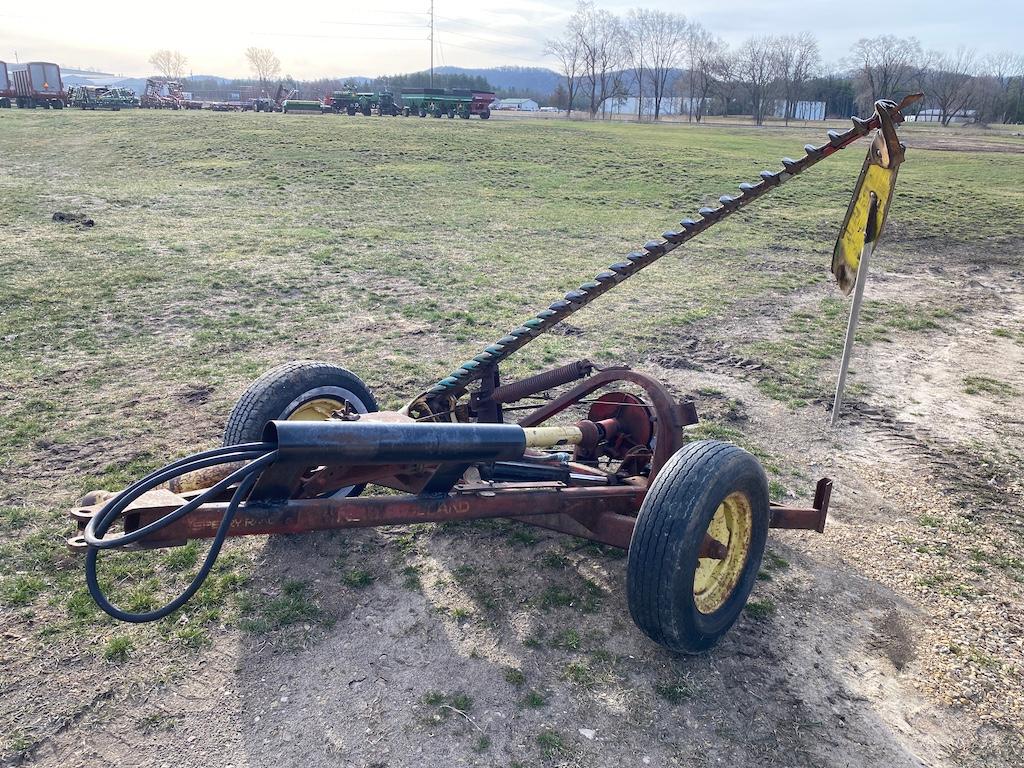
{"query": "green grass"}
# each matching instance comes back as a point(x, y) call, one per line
point(358, 578)
point(294, 604)
point(551, 743)
point(986, 385)
point(534, 699)
point(677, 690)
point(117, 649)
point(761, 610)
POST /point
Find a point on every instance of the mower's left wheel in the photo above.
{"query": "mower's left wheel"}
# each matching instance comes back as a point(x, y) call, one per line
point(303, 390)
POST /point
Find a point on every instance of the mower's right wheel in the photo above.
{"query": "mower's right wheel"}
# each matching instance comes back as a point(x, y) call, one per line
point(697, 546)
point(303, 390)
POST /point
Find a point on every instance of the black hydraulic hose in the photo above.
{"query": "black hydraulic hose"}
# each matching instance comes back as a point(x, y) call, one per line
point(261, 454)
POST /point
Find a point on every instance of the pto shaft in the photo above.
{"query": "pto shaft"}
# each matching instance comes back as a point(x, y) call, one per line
point(335, 442)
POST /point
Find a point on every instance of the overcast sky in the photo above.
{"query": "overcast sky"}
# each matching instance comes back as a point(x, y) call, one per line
point(315, 38)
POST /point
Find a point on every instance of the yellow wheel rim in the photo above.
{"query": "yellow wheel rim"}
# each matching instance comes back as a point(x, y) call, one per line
point(732, 526)
point(319, 409)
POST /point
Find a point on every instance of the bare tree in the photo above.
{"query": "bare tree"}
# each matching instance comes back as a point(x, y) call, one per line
point(950, 82)
point(693, 38)
point(637, 31)
point(569, 51)
point(667, 34)
point(798, 59)
point(603, 54)
point(170, 64)
point(885, 66)
point(726, 77)
point(758, 69)
point(263, 63)
point(706, 57)
point(1002, 70)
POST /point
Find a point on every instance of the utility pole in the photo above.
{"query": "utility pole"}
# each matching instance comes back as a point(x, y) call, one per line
point(431, 43)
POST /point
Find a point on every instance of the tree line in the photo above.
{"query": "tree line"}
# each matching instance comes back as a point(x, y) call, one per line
point(653, 55)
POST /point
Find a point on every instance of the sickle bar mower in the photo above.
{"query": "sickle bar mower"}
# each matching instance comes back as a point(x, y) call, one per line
point(305, 440)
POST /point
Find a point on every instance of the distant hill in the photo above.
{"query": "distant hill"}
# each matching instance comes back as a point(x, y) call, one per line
point(527, 79)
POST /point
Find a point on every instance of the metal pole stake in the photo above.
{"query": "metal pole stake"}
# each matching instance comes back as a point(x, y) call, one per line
point(858, 297)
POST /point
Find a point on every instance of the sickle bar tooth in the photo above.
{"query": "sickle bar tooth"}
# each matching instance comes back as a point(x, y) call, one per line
point(729, 202)
point(860, 125)
point(812, 151)
point(621, 266)
point(746, 186)
point(558, 306)
point(790, 165)
point(687, 224)
point(575, 296)
point(636, 256)
point(589, 286)
point(604, 277)
point(506, 340)
point(495, 349)
point(674, 237)
point(534, 322)
point(654, 248)
point(710, 213)
point(836, 138)
point(771, 177)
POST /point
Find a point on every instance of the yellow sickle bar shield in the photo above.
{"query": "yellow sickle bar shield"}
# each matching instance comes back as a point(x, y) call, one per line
point(875, 186)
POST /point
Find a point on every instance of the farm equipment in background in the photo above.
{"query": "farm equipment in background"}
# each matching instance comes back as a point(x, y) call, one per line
point(101, 97)
point(7, 91)
point(161, 93)
point(599, 452)
point(366, 103)
point(38, 84)
point(346, 101)
point(301, 105)
point(438, 102)
point(266, 104)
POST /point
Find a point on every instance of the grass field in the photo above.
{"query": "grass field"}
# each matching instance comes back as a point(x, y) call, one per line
point(226, 244)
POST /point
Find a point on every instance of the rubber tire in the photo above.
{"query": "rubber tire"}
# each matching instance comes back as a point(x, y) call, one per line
point(669, 531)
point(485, 114)
point(269, 396)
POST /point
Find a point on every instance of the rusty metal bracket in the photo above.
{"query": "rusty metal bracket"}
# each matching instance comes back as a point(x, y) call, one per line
point(801, 518)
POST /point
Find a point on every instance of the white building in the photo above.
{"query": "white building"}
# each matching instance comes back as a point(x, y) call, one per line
point(670, 105)
point(802, 110)
point(516, 105)
point(935, 116)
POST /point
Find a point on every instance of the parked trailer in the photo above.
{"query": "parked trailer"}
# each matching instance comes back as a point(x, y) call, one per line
point(438, 102)
point(6, 88)
point(301, 105)
point(38, 84)
point(101, 97)
point(366, 103)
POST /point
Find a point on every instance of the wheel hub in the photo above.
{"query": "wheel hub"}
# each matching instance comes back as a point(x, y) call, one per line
point(715, 579)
